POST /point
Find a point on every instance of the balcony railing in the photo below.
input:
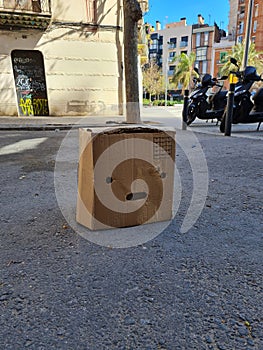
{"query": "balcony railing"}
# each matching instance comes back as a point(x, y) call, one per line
point(183, 43)
point(172, 46)
point(30, 14)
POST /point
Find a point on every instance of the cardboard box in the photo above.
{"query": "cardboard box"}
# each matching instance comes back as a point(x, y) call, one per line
point(125, 176)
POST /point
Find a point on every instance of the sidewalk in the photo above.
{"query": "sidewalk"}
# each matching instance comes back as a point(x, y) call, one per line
point(162, 116)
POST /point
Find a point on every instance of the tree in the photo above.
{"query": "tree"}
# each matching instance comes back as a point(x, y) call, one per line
point(152, 79)
point(184, 70)
point(132, 14)
point(254, 58)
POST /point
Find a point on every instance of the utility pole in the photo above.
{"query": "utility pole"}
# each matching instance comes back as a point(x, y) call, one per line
point(248, 32)
point(166, 74)
point(230, 100)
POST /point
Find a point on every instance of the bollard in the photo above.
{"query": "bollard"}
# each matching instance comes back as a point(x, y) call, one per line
point(229, 111)
point(185, 110)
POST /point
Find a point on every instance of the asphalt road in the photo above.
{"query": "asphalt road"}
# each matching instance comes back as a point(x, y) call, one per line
point(196, 290)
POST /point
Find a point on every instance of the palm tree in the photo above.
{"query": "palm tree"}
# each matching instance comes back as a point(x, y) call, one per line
point(184, 70)
point(254, 58)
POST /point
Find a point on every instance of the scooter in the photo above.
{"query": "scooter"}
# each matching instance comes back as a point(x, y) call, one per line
point(204, 106)
point(246, 109)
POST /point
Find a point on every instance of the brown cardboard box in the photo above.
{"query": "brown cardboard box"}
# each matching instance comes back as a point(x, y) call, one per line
point(125, 176)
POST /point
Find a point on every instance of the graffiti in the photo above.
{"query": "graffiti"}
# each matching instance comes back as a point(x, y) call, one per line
point(30, 82)
point(23, 83)
point(37, 106)
point(22, 60)
point(38, 86)
point(40, 106)
point(26, 106)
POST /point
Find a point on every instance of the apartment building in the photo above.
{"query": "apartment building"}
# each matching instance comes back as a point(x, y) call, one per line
point(203, 39)
point(256, 35)
point(238, 16)
point(61, 57)
point(178, 37)
point(169, 42)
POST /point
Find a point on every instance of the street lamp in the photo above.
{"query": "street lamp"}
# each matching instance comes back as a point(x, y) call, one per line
point(248, 32)
point(166, 74)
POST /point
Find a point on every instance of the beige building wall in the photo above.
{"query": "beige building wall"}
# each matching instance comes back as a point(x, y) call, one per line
point(82, 62)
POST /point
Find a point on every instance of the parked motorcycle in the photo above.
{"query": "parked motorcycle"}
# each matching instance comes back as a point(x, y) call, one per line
point(204, 106)
point(246, 109)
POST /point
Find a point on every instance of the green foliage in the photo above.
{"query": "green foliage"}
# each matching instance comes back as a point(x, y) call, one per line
point(152, 79)
point(184, 70)
point(254, 58)
point(146, 102)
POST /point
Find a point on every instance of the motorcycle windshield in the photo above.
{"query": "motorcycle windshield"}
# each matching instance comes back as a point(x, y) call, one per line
point(199, 92)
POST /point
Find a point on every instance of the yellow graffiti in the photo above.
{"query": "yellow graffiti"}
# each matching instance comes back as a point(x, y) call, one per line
point(26, 106)
point(38, 106)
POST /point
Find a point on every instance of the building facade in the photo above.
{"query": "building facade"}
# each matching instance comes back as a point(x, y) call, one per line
point(178, 37)
point(61, 57)
point(238, 18)
point(168, 43)
point(203, 39)
point(256, 34)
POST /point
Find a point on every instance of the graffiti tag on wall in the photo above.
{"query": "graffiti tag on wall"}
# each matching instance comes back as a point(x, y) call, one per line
point(37, 106)
point(30, 82)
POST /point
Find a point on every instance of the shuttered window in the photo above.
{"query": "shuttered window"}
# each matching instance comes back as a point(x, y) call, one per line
point(91, 11)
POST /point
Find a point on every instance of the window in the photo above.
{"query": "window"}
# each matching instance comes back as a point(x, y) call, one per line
point(91, 11)
point(253, 39)
point(171, 70)
point(184, 41)
point(154, 44)
point(241, 28)
point(201, 54)
point(172, 43)
point(256, 10)
point(206, 38)
point(242, 11)
point(223, 56)
point(171, 56)
point(255, 26)
point(240, 39)
point(204, 67)
point(198, 39)
point(153, 57)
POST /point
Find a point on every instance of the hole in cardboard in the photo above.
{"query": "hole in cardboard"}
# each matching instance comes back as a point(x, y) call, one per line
point(109, 180)
point(136, 196)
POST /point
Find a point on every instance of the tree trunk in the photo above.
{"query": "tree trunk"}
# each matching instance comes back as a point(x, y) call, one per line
point(132, 14)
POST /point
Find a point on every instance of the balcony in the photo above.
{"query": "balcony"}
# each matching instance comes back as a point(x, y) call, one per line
point(21, 14)
point(183, 43)
point(172, 46)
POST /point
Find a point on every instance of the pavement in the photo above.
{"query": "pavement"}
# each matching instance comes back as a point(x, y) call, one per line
point(162, 116)
point(194, 290)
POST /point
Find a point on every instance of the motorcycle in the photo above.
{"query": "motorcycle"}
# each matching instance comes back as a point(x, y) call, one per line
point(246, 109)
point(204, 106)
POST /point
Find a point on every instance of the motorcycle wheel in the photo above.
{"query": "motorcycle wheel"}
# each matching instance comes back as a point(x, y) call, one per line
point(191, 114)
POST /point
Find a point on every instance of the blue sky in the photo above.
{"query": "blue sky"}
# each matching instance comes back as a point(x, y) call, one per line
point(167, 11)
